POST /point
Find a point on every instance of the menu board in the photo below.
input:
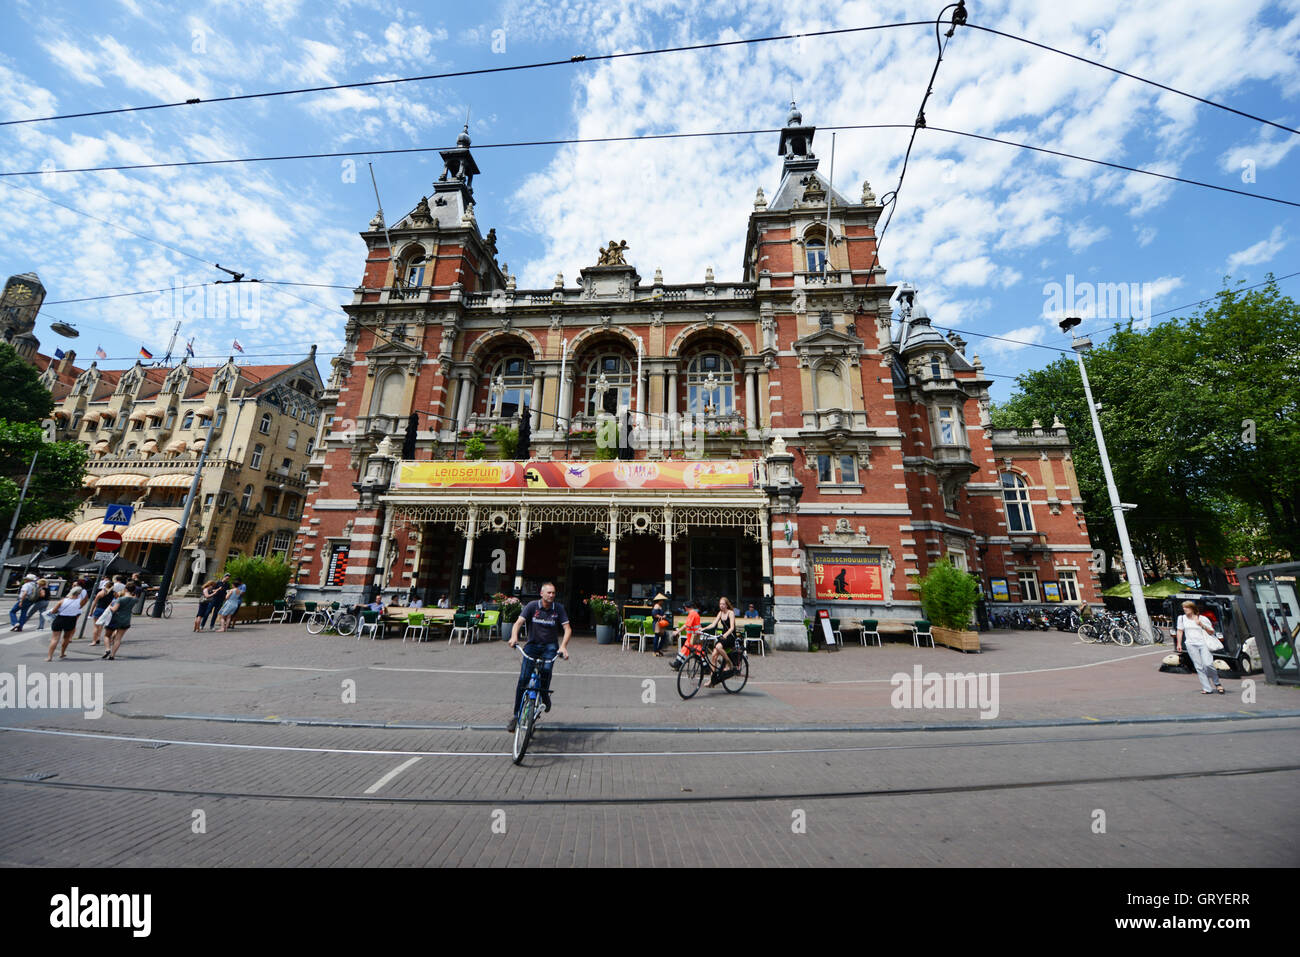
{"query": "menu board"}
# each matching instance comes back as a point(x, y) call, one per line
point(338, 564)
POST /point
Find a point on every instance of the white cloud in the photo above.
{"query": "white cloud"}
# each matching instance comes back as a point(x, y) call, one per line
point(1260, 252)
point(1146, 235)
point(1015, 340)
point(1083, 235)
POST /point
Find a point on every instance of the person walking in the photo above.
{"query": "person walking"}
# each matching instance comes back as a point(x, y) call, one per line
point(40, 602)
point(66, 614)
point(205, 604)
point(103, 598)
point(22, 608)
point(121, 609)
point(1195, 630)
point(231, 605)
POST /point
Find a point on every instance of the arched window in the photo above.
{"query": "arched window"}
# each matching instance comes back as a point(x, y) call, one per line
point(221, 416)
point(292, 441)
point(188, 420)
point(171, 419)
point(412, 268)
point(516, 375)
point(1015, 495)
point(829, 386)
point(263, 545)
point(616, 382)
point(256, 461)
point(816, 250)
point(710, 385)
point(246, 500)
point(389, 395)
point(265, 425)
point(311, 443)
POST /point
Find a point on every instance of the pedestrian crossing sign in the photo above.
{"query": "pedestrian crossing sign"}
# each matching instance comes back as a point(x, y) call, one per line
point(119, 515)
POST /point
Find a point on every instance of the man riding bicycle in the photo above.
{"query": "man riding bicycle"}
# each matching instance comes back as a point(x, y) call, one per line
point(546, 618)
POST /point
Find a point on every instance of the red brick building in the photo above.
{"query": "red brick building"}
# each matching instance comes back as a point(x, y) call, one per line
point(798, 437)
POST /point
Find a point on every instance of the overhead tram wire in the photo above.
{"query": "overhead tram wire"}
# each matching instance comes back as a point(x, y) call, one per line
point(567, 61)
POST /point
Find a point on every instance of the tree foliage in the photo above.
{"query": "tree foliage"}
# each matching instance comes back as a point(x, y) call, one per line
point(55, 487)
point(1202, 427)
point(22, 397)
point(949, 595)
point(267, 578)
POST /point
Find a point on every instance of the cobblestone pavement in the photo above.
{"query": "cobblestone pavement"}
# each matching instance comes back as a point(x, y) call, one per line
point(416, 771)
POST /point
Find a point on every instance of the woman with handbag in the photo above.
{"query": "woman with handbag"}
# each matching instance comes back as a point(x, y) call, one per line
point(1197, 632)
point(103, 598)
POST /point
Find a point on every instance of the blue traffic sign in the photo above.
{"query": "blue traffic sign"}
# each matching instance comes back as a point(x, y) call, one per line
point(119, 515)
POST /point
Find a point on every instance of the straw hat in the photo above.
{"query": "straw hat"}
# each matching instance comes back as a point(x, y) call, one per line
point(660, 597)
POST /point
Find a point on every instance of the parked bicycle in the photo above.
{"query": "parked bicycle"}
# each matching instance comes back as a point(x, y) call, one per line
point(530, 708)
point(331, 619)
point(696, 666)
point(1118, 627)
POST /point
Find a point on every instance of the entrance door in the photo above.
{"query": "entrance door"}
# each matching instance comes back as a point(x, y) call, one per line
point(585, 579)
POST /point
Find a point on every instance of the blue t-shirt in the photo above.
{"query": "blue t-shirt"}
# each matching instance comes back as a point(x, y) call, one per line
point(544, 624)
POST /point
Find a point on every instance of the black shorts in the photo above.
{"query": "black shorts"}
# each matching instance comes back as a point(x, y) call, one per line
point(64, 623)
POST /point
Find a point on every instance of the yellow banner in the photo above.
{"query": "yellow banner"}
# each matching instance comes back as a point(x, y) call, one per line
point(460, 473)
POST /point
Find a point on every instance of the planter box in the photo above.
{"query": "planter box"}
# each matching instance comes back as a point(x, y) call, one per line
point(605, 635)
point(961, 640)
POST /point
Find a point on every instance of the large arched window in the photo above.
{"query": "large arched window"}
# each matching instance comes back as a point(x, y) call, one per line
point(816, 250)
point(263, 545)
point(1015, 495)
point(710, 385)
point(265, 425)
point(390, 393)
point(829, 386)
point(411, 268)
point(609, 384)
point(510, 386)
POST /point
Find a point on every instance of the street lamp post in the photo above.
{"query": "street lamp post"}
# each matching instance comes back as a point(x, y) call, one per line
point(1082, 344)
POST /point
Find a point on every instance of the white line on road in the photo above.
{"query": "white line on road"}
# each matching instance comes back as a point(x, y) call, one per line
point(20, 637)
point(390, 775)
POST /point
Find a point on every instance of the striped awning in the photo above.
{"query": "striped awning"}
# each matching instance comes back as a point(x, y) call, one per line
point(100, 447)
point(89, 531)
point(122, 480)
point(138, 416)
point(157, 413)
point(171, 480)
point(198, 445)
point(177, 446)
point(156, 530)
point(88, 481)
point(50, 530)
point(207, 412)
point(150, 446)
point(60, 414)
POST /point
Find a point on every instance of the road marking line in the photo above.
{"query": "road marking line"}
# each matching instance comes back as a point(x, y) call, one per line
point(297, 668)
point(390, 775)
point(20, 637)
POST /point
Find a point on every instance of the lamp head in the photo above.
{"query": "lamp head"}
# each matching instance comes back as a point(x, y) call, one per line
point(1069, 323)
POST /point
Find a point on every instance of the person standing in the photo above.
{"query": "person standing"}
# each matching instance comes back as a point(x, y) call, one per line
point(545, 619)
point(205, 604)
point(1195, 630)
point(103, 598)
point(231, 605)
point(65, 619)
point(40, 602)
point(661, 624)
point(218, 599)
point(121, 609)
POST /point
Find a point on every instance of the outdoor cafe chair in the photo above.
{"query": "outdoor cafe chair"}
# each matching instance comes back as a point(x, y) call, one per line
point(835, 631)
point(921, 630)
point(369, 621)
point(755, 633)
point(415, 629)
point(280, 612)
point(490, 622)
point(634, 628)
point(462, 627)
point(869, 629)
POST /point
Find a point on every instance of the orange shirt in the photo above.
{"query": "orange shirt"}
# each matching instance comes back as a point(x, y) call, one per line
point(692, 619)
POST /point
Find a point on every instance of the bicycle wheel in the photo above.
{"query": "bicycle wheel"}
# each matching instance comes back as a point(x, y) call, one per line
point(1141, 638)
point(523, 727)
point(1121, 636)
point(738, 680)
point(345, 624)
point(315, 623)
point(689, 677)
point(1088, 633)
point(167, 609)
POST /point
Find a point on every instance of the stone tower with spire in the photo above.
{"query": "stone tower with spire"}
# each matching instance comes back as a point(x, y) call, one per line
point(19, 306)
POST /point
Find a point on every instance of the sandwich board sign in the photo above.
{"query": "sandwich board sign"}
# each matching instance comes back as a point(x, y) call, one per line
point(824, 626)
point(119, 515)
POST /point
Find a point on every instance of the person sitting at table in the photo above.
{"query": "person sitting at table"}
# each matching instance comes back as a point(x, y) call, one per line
point(443, 602)
point(752, 612)
point(415, 603)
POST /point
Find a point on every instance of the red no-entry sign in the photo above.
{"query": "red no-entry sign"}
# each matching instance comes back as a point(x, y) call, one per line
point(108, 542)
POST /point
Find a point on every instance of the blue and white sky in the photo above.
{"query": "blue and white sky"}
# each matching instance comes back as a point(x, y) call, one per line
point(982, 229)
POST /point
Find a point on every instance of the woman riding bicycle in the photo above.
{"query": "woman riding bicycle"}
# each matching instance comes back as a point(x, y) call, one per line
point(719, 657)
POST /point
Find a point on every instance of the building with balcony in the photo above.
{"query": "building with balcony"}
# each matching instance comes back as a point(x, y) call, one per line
point(146, 428)
point(798, 437)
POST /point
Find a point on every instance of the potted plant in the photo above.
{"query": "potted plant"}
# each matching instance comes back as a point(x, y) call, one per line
point(949, 596)
point(475, 448)
point(605, 615)
point(510, 607)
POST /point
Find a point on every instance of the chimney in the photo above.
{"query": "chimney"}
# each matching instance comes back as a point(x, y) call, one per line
point(65, 364)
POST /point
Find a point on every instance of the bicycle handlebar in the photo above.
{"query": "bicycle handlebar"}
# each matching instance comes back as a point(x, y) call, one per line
point(563, 654)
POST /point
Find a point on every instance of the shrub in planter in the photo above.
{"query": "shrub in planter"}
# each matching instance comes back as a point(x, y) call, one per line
point(507, 440)
point(603, 611)
point(949, 596)
point(475, 447)
point(267, 578)
point(510, 607)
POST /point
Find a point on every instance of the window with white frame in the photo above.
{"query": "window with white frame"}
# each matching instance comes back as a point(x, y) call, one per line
point(292, 442)
point(516, 376)
point(836, 469)
point(1028, 586)
point(283, 541)
point(291, 509)
point(816, 250)
point(246, 500)
point(263, 545)
point(710, 385)
point(311, 443)
point(1069, 585)
point(947, 420)
point(1015, 496)
point(617, 383)
point(265, 425)
point(256, 461)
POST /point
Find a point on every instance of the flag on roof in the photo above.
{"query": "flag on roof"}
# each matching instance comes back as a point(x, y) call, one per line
point(145, 353)
point(59, 353)
point(189, 349)
point(100, 353)
point(238, 347)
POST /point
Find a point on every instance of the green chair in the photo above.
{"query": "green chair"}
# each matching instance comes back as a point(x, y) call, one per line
point(462, 626)
point(491, 622)
point(370, 621)
point(280, 611)
point(921, 629)
point(634, 628)
point(415, 629)
point(869, 626)
point(755, 633)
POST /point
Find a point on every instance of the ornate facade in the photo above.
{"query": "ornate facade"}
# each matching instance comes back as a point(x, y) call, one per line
point(799, 437)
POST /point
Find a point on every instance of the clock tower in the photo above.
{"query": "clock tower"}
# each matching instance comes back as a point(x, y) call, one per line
point(19, 305)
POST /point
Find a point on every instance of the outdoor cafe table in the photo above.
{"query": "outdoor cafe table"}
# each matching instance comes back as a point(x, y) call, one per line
point(395, 617)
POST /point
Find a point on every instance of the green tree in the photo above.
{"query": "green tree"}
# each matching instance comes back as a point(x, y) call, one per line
point(22, 397)
point(267, 578)
point(949, 595)
point(475, 447)
point(55, 488)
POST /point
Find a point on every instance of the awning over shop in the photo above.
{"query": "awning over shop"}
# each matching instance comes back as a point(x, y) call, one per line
point(89, 531)
point(153, 530)
point(88, 481)
point(177, 446)
point(171, 480)
point(122, 480)
point(50, 530)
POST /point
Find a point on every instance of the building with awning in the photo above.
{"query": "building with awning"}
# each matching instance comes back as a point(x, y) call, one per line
point(50, 530)
point(151, 531)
